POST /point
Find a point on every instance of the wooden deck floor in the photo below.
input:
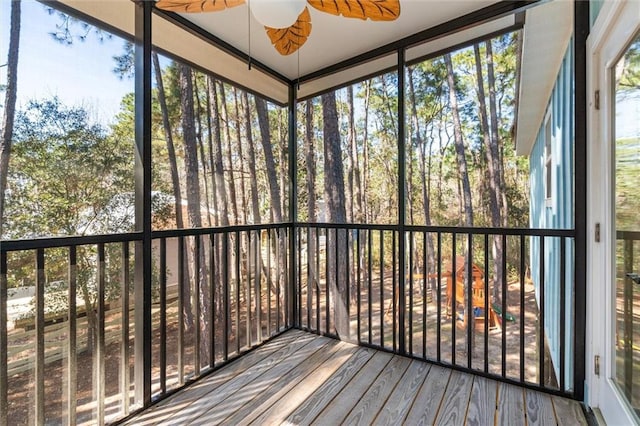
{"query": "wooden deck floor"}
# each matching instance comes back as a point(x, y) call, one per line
point(300, 378)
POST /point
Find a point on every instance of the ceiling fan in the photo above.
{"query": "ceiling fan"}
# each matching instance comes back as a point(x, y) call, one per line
point(288, 22)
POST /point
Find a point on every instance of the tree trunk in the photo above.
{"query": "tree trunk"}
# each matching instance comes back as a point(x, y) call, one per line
point(284, 150)
point(232, 183)
point(272, 174)
point(90, 306)
point(498, 178)
point(335, 202)
point(202, 278)
point(255, 203)
point(489, 145)
point(387, 102)
point(251, 160)
point(495, 137)
point(243, 189)
point(274, 190)
point(217, 193)
point(210, 150)
point(168, 135)
point(216, 154)
point(461, 161)
point(518, 58)
point(442, 148)
point(358, 214)
point(310, 158)
point(221, 203)
point(352, 191)
point(203, 162)
point(365, 154)
point(364, 206)
point(191, 170)
point(426, 202)
point(459, 145)
point(351, 167)
point(190, 147)
point(9, 103)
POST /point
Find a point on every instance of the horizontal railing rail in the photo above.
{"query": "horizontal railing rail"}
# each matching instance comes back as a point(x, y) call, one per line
point(628, 235)
point(219, 230)
point(444, 229)
point(56, 242)
point(494, 301)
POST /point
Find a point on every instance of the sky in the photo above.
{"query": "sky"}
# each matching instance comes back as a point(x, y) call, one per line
point(80, 74)
point(627, 113)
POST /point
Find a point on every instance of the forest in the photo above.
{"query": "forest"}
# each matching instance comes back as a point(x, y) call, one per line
point(220, 154)
point(459, 136)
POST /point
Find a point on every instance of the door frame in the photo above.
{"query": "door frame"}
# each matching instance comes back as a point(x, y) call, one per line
point(617, 24)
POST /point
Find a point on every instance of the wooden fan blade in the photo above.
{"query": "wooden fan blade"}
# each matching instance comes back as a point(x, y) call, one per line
point(288, 40)
point(376, 10)
point(197, 6)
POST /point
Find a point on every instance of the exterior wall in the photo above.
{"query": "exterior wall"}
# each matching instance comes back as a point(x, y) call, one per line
point(556, 212)
point(594, 9)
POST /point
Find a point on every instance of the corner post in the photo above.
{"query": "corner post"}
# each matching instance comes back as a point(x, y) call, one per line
point(142, 289)
point(581, 32)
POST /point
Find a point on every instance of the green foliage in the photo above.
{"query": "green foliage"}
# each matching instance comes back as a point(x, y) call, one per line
point(430, 137)
point(627, 145)
point(436, 131)
point(628, 71)
point(125, 63)
point(69, 29)
point(68, 176)
point(627, 178)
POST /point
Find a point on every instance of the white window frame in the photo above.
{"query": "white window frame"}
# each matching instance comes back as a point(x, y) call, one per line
point(615, 26)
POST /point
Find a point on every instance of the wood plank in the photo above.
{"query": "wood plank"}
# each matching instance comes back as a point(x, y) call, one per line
point(367, 408)
point(510, 409)
point(539, 408)
point(217, 394)
point(234, 400)
point(425, 407)
point(350, 371)
point(399, 403)
point(568, 412)
point(301, 378)
point(335, 412)
point(184, 398)
point(317, 389)
point(456, 399)
point(282, 387)
point(482, 404)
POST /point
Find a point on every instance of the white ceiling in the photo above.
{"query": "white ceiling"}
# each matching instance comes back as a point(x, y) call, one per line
point(333, 38)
